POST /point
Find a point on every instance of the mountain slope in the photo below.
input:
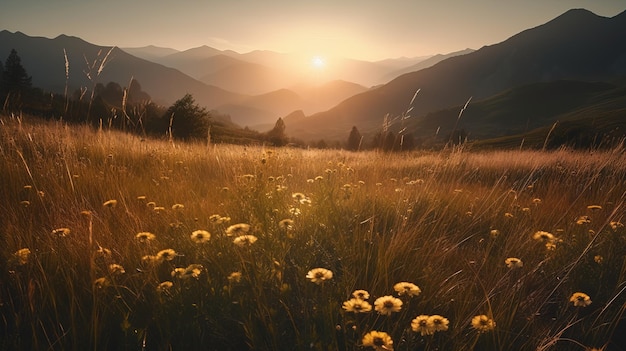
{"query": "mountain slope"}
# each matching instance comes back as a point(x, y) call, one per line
point(577, 45)
point(44, 59)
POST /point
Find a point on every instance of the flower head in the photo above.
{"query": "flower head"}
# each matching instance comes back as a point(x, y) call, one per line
point(423, 325)
point(357, 306)
point(192, 271)
point(378, 340)
point(238, 229)
point(408, 289)
point(234, 277)
point(286, 224)
point(164, 287)
point(543, 236)
point(514, 262)
point(386, 305)
point(101, 283)
point(200, 236)
point(361, 294)
point(22, 256)
point(110, 203)
point(438, 322)
point(245, 240)
point(483, 323)
point(580, 299)
point(319, 275)
point(116, 269)
point(145, 237)
point(166, 255)
point(61, 231)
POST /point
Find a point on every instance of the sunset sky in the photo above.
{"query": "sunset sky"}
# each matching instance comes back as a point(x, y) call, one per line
point(365, 29)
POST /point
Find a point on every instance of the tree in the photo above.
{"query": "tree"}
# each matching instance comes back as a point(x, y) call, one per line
point(277, 135)
point(186, 119)
point(354, 139)
point(14, 77)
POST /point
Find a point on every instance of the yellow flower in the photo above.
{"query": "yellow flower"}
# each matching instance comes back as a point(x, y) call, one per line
point(423, 325)
point(598, 259)
point(245, 240)
point(166, 255)
point(483, 323)
point(438, 322)
point(513, 262)
point(164, 286)
point(361, 294)
point(594, 207)
point(406, 288)
point(536, 201)
point(151, 259)
point(386, 305)
point(378, 340)
point(61, 232)
point(110, 203)
point(234, 277)
point(319, 275)
point(616, 225)
point(116, 269)
point(22, 256)
point(357, 306)
point(238, 229)
point(543, 236)
point(145, 237)
point(103, 252)
point(494, 233)
point(583, 220)
point(286, 224)
point(101, 283)
point(192, 271)
point(580, 299)
point(200, 236)
point(301, 198)
point(178, 206)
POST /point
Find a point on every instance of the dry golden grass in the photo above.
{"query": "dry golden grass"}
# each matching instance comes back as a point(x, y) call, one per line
point(84, 272)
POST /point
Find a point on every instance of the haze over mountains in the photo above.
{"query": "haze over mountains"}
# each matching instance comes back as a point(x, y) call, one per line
point(577, 61)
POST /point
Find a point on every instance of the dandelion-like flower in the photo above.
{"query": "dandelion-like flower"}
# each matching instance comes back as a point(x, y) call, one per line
point(166, 255)
point(543, 236)
point(378, 340)
point(615, 225)
point(238, 229)
point(580, 299)
point(319, 275)
point(164, 287)
point(234, 277)
point(245, 240)
point(101, 283)
point(594, 207)
point(286, 224)
point(151, 260)
point(191, 271)
point(482, 323)
point(22, 256)
point(388, 304)
point(408, 289)
point(301, 198)
point(116, 269)
point(438, 322)
point(200, 236)
point(145, 237)
point(61, 232)
point(598, 259)
point(514, 262)
point(355, 305)
point(25, 203)
point(178, 206)
point(103, 252)
point(361, 294)
point(583, 220)
point(494, 233)
point(110, 203)
point(423, 325)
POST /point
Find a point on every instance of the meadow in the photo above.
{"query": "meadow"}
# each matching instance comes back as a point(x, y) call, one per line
point(114, 242)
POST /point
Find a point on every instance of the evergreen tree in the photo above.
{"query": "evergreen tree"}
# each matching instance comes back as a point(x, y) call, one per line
point(277, 135)
point(14, 77)
point(187, 120)
point(354, 139)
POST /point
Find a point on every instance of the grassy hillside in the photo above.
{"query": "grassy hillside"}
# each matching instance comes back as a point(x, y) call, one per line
point(504, 250)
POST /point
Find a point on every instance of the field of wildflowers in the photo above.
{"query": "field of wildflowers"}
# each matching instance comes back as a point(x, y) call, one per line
point(112, 242)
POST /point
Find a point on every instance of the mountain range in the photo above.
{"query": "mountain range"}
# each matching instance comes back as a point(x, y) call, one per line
point(576, 46)
point(567, 70)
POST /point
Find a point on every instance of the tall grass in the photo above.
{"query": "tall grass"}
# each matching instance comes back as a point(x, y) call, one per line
point(444, 221)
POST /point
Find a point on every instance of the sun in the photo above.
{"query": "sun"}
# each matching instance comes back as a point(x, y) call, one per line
point(318, 62)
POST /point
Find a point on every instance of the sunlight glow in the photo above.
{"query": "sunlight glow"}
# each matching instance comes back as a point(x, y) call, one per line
point(318, 62)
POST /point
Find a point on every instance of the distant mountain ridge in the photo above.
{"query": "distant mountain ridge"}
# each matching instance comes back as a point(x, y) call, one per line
point(578, 45)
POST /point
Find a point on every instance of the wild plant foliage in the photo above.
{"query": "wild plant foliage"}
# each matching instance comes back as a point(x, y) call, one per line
point(110, 241)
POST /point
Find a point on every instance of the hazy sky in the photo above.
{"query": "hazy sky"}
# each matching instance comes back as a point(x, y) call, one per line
point(364, 29)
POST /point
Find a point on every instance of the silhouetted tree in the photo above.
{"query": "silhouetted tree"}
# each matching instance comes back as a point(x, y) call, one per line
point(14, 76)
point(277, 135)
point(354, 139)
point(187, 119)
